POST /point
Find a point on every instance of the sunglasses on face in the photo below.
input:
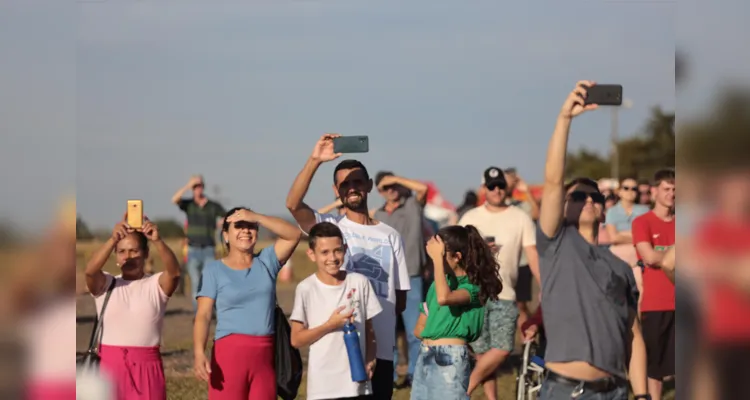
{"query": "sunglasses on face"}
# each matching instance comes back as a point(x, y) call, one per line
point(630, 188)
point(200, 185)
point(493, 186)
point(245, 225)
point(582, 196)
point(389, 187)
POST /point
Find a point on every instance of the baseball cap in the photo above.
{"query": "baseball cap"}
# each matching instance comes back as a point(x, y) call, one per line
point(494, 176)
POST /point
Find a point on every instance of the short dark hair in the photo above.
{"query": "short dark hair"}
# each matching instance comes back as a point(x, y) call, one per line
point(323, 230)
point(581, 182)
point(664, 175)
point(142, 240)
point(380, 175)
point(349, 164)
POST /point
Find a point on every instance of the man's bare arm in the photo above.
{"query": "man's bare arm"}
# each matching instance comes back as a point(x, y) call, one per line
point(550, 218)
point(551, 213)
point(302, 213)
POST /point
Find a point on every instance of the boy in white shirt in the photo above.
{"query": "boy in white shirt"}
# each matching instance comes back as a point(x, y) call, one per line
point(373, 249)
point(323, 303)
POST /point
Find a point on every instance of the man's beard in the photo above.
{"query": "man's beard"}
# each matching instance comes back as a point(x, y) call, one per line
point(357, 205)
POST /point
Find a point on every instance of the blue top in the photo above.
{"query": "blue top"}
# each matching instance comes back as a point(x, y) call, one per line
point(245, 299)
point(620, 219)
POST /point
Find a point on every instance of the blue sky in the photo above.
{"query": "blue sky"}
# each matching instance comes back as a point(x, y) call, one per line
point(155, 91)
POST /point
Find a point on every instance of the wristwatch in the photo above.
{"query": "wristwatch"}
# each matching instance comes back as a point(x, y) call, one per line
point(642, 397)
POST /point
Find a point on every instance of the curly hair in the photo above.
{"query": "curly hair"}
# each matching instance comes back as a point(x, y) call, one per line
point(476, 259)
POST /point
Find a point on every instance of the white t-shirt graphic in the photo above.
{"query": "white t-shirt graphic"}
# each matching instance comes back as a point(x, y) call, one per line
point(377, 252)
point(328, 373)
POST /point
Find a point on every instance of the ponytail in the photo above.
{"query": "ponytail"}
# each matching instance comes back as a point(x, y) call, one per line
point(477, 259)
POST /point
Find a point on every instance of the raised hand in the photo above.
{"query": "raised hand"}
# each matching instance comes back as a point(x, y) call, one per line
point(243, 215)
point(122, 229)
point(323, 150)
point(150, 230)
point(436, 248)
point(387, 181)
point(574, 104)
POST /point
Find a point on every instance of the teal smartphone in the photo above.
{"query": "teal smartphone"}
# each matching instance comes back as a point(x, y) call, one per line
point(351, 144)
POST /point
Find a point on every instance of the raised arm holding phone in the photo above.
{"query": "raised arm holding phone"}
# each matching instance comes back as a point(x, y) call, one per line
point(134, 311)
point(375, 249)
point(587, 328)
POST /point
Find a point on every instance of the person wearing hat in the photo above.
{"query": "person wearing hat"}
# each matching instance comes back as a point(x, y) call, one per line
point(510, 232)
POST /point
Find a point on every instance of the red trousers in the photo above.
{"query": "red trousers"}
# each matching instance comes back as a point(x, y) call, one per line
point(137, 372)
point(242, 367)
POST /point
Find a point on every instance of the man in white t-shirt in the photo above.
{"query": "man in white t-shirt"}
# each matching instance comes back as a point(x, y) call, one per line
point(374, 249)
point(323, 303)
point(510, 231)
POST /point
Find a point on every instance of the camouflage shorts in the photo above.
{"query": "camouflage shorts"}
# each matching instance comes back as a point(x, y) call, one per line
point(499, 330)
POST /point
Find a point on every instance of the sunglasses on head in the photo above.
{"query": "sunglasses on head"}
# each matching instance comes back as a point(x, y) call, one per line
point(596, 197)
point(493, 186)
point(245, 225)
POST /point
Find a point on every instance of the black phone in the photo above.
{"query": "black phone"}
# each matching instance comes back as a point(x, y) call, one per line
point(604, 95)
point(351, 144)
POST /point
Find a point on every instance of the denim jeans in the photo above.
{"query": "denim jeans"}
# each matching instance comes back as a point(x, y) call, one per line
point(442, 372)
point(410, 316)
point(552, 390)
point(198, 257)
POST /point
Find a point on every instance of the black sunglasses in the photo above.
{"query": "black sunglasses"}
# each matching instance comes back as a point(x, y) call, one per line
point(245, 225)
point(578, 196)
point(630, 188)
point(493, 186)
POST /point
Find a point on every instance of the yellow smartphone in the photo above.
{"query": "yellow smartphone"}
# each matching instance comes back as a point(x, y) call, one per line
point(135, 214)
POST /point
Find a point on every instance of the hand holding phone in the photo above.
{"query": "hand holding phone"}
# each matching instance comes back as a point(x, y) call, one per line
point(604, 95)
point(351, 144)
point(135, 214)
point(323, 151)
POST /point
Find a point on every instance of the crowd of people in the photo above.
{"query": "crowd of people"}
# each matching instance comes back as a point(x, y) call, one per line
point(603, 257)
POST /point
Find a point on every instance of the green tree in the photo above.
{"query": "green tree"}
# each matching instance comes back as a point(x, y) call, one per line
point(169, 228)
point(82, 230)
point(640, 156)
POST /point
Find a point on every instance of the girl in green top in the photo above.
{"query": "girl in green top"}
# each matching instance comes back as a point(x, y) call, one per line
point(466, 276)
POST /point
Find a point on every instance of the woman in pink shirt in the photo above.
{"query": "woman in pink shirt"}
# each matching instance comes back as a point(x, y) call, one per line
point(133, 318)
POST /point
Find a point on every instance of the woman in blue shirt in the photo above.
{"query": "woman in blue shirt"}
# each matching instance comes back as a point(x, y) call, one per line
point(619, 220)
point(242, 287)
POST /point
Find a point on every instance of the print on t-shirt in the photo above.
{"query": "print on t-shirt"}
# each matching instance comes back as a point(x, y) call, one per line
point(375, 264)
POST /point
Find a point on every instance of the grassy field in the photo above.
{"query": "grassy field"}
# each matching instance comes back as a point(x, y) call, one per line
point(177, 335)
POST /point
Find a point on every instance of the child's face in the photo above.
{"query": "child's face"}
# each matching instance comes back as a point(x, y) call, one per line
point(328, 254)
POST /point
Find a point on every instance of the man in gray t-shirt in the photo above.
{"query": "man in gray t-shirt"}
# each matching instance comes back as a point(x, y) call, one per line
point(589, 296)
point(403, 211)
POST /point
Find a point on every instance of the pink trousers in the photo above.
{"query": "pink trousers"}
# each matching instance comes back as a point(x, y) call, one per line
point(51, 390)
point(137, 372)
point(242, 367)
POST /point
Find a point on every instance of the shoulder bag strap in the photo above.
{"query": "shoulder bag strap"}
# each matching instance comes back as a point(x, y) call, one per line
point(96, 333)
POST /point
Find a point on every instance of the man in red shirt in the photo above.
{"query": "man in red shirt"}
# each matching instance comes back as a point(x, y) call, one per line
point(653, 235)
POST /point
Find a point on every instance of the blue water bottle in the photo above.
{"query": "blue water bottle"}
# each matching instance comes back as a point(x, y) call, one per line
point(356, 364)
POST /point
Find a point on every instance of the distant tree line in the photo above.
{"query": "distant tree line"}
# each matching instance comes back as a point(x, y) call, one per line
point(639, 156)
